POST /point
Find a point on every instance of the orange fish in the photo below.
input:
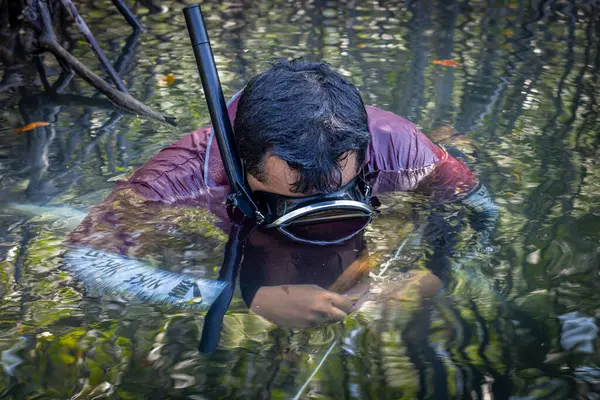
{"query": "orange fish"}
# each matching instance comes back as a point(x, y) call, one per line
point(168, 79)
point(31, 125)
point(446, 63)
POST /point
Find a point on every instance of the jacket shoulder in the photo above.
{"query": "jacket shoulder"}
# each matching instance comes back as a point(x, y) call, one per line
point(176, 172)
point(186, 170)
point(397, 144)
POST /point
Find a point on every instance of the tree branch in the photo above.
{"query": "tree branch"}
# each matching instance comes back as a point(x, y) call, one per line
point(70, 7)
point(120, 99)
point(129, 16)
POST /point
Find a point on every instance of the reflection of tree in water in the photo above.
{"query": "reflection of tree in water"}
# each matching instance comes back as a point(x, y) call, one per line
point(410, 101)
point(525, 90)
point(47, 106)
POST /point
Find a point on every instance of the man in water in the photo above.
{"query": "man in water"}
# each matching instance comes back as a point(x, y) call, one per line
point(302, 129)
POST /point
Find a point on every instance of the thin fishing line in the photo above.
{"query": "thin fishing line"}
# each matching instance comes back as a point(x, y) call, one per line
point(297, 396)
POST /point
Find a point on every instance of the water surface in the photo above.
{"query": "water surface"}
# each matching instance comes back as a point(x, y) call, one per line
point(525, 96)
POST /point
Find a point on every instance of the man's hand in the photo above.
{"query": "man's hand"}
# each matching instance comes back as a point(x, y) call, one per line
point(300, 306)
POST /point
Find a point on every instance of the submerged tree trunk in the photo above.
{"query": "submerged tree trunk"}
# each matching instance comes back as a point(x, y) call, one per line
point(29, 28)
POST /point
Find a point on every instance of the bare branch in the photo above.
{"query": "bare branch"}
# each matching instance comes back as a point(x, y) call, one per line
point(70, 7)
point(129, 16)
point(120, 99)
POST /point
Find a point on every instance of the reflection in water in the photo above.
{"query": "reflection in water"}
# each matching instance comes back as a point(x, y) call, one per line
point(525, 91)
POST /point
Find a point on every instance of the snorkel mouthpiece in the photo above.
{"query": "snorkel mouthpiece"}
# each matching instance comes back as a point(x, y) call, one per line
point(217, 107)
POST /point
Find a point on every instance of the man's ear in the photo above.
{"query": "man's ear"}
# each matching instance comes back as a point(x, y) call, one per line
point(292, 175)
point(343, 159)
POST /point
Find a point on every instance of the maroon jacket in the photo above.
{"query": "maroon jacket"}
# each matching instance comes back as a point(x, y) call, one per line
point(399, 158)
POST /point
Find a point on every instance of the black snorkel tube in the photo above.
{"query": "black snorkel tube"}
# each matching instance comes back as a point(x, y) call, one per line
point(217, 107)
point(240, 192)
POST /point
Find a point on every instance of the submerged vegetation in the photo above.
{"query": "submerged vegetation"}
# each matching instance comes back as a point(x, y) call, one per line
point(519, 78)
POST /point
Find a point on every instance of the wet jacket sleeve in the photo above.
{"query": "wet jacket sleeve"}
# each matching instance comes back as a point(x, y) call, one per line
point(401, 158)
point(483, 218)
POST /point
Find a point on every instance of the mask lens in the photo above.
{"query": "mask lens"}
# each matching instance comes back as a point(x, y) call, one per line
point(327, 216)
point(335, 229)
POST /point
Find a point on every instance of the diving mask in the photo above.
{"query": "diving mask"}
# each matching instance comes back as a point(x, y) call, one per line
point(324, 218)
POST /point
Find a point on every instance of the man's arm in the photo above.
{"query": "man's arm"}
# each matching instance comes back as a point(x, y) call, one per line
point(475, 197)
point(401, 158)
point(139, 212)
point(127, 223)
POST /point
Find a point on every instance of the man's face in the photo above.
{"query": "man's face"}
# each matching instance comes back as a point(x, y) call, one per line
point(280, 178)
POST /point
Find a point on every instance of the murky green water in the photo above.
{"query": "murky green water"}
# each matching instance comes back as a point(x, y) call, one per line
point(525, 93)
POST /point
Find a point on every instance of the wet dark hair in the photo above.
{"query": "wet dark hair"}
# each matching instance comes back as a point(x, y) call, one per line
point(306, 114)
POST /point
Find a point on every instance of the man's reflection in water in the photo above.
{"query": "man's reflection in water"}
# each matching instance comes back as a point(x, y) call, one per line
point(298, 285)
point(286, 282)
point(289, 284)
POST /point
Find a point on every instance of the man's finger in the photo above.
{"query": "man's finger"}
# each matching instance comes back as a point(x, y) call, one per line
point(341, 302)
point(335, 315)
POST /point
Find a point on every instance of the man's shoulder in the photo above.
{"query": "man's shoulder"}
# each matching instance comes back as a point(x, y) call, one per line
point(382, 121)
point(187, 169)
point(397, 144)
point(177, 171)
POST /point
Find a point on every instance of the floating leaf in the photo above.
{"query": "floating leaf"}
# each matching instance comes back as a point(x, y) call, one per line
point(168, 79)
point(446, 63)
point(31, 125)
